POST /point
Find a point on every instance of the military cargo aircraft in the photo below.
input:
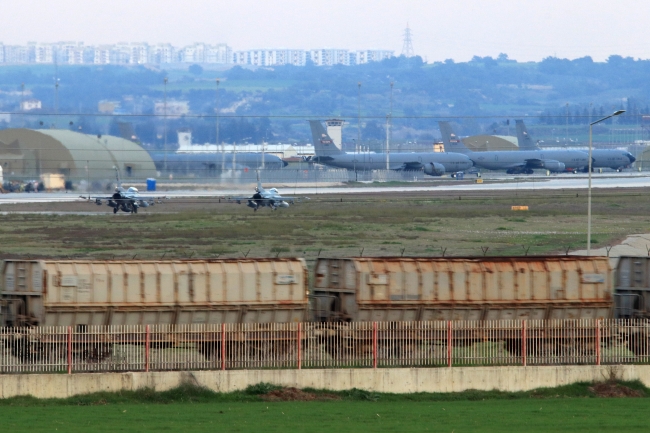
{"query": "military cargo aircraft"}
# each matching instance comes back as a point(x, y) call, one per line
point(600, 158)
point(516, 161)
point(432, 163)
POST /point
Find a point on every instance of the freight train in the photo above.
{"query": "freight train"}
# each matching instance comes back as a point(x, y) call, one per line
point(88, 293)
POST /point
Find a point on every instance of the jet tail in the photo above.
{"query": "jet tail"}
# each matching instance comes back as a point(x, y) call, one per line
point(451, 140)
point(323, 144)
point(524, 139)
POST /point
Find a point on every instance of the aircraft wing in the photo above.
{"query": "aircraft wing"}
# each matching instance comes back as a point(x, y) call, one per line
point(415, 165)
point(535, 162)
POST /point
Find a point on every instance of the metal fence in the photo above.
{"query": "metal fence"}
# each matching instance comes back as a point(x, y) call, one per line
point(323, 345)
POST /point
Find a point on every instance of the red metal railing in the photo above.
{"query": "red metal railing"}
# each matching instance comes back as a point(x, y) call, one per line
point(323, 345)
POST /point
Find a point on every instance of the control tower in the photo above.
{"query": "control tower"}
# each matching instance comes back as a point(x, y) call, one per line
point(335, 131)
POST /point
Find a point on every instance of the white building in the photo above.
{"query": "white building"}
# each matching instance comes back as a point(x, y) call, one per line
point(162, 54)
point(329, 57)
point(241, 58)
point(41, 53)
point(366, 56)
point(218, 54)
point(16, 54)
point(174, 108)
point(102, 54)
point(138, 53)
point(30, 104)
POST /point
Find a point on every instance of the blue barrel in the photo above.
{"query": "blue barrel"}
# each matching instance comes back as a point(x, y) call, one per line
point(151, 184)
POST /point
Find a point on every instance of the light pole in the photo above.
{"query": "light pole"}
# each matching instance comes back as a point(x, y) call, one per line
point(358, 143)
point(615, 113)
point(389, 119)
point(566, 138)
point(223, 156)
point(165, 128)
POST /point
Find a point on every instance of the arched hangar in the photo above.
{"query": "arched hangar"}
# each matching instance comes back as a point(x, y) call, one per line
point(31, 152)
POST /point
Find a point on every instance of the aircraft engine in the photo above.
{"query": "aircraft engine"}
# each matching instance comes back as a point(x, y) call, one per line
point(554, 166)
point(434, 169)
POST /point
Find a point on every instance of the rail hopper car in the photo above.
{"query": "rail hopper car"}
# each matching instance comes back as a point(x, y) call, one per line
point(263, 292)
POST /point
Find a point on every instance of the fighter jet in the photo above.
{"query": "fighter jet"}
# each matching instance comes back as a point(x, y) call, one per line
point(266, 197)
point(127, 200)
point(600, 158)
point(432, 163)
point(516, 161)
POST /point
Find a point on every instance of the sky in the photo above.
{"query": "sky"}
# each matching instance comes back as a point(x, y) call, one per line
point(526, 30)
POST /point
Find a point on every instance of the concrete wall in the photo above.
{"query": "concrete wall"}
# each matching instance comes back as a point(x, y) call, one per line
point(396, 380)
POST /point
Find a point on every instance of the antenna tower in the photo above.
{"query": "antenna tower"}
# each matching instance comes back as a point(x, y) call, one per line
point(407, 47)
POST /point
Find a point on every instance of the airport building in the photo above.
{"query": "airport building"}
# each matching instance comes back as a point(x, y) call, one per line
point(30, 153)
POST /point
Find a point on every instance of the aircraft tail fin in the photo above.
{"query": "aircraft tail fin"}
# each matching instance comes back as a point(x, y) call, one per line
point(323, 144)
point(524, 140)
point(451, 140)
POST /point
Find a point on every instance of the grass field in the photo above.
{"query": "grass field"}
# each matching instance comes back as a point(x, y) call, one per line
point(566, 409)
point(423, 224)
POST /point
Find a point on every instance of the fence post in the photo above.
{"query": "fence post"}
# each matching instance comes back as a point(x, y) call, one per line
point(299, 342)
point(598, 342)
point(69, 349)
point(449, 343)
point(374, 344)
point(223, 346)
point(147, 343)
point(523, 343)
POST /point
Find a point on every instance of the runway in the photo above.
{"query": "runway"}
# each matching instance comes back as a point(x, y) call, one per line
point(491, 183)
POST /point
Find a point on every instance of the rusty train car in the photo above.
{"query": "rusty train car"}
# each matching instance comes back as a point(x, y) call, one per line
point(83, 294)
point(133, 292)
point(486, 288)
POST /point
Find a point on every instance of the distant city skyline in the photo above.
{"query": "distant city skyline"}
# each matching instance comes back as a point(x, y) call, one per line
point(141, 53)
point(441, 30)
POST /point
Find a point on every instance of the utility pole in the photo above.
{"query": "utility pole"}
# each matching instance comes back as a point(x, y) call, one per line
point(223, 156)
point(165, 127)
point(566, 139)
point(356, 148)
point(22, 103)
point(389, 119)
point(56, 94)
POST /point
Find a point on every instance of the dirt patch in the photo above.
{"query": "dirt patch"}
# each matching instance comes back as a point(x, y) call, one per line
point(612, 389)
point(295, 394)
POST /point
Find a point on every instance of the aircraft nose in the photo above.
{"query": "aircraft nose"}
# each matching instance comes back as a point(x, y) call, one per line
point(631, 158)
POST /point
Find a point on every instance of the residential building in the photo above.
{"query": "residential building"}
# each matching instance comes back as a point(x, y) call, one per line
point(174, 108)
point(30, 104)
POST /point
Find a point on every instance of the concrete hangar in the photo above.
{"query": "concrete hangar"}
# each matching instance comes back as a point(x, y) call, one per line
point(29, 153)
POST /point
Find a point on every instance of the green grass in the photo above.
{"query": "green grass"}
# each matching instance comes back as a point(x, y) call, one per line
point(565, 409)
point(421, 223)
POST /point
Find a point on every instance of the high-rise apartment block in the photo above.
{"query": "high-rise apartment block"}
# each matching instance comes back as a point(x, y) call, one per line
point(319, 57)
point(123, 53)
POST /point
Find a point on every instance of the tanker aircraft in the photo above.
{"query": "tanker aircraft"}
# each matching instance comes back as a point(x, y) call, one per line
point(600, 158)
point(126, 200)
point(516, 161)
point(266, 197)
point(432, 163)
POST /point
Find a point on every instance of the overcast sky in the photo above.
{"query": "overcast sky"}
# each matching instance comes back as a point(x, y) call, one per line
point(458, 29)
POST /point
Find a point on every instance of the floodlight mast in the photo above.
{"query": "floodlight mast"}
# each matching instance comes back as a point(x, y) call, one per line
point(616, 113)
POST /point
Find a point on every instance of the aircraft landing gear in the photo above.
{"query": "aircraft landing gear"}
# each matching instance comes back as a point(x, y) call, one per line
point(115, 209)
